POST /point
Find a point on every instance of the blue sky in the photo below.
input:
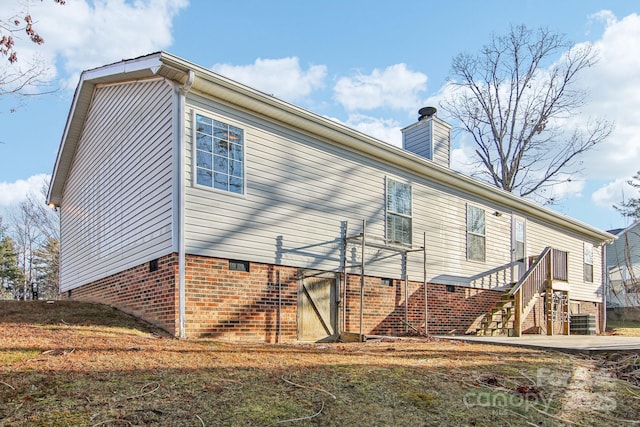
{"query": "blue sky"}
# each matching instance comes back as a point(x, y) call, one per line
point(369, 64)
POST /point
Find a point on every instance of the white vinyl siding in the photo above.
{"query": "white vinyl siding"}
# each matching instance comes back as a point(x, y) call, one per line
point(116, 210)
point(301, 190)
point(429, 138)
point(441, 143)
point(418, 138)
point(540, 235)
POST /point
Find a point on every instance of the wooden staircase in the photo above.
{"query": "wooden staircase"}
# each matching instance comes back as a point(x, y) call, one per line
point(517, 301)
point(501, 318)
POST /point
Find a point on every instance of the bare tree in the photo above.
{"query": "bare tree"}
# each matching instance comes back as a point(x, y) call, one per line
point(47, 267)
point(631, 208)
point(624, 273)
point(514, 108)
point(36, 232)
point(27, 237)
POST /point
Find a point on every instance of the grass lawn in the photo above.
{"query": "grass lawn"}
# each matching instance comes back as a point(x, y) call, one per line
point(75, 364)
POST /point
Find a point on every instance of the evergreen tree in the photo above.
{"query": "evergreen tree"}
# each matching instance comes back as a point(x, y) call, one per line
point(10, 273)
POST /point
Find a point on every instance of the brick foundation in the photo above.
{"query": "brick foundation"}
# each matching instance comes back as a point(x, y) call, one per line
point(453, 309)
point(150, 295)
point(240, 306)
point(244, 306)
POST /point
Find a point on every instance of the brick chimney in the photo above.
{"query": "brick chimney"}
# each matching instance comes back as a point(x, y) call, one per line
point(430, 137)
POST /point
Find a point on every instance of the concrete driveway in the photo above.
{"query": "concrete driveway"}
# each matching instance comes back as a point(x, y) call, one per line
point(572, 343)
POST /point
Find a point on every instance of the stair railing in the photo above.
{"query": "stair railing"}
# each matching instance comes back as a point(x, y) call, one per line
point(494, 278)
point(532, 283)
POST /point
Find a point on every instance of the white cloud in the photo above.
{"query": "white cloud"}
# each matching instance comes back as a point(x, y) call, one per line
point(567, 189)
point(81, 35)
point(614, 94)
point(282, 77)
point(387, 130)
point(462, 160)
point(613, 193)
point(395, 87)
point(12, 193)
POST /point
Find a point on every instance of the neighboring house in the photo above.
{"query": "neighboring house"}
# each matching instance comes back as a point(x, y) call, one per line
point(212, 209)
point(623, 265)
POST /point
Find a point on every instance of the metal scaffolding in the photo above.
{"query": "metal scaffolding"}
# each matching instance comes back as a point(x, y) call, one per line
point(362, 239)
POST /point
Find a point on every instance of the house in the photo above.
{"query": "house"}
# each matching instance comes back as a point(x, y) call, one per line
point(623, 266)
point(212, 209)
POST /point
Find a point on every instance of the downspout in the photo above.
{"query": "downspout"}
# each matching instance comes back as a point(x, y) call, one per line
point(424, 284)
point(181, 203)
point(279, 337)
point(605, 286)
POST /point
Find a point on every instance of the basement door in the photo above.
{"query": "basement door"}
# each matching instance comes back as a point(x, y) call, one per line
point(317, 307)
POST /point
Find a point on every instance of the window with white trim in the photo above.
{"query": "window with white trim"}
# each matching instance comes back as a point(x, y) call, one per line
point(219, 153)
point(588, 262)
point(399, 228)
point(476, 239)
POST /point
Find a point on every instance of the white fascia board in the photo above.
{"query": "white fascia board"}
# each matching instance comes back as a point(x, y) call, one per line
point(148, 65)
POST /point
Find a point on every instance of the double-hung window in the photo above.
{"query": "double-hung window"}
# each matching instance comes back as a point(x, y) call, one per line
point(219, 152)
point(476, 239)
point(398, 213)
point(588, 262)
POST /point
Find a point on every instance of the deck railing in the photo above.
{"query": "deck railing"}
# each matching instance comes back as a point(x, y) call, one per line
point(550, 265)
point(560, 265)
point(534, 280)
point(494, 278)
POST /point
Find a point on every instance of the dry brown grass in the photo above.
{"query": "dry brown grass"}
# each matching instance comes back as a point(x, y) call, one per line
point(75, 364)
point(625, 328)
